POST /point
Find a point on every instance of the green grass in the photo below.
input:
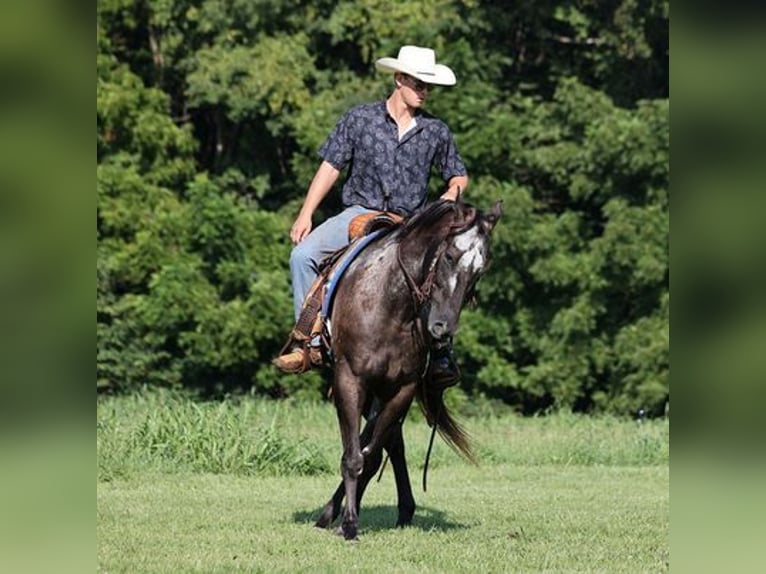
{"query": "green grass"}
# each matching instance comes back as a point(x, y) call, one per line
point(168, 433)
point(235, 486)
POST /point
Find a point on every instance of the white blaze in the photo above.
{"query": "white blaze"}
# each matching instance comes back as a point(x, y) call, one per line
point(471, 243)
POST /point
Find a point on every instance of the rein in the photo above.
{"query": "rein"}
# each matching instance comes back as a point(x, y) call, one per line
point(420, 296)
point(430, 446)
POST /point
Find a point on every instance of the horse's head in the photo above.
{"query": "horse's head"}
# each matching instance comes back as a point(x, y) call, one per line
point(462, 259)
point(451, 240)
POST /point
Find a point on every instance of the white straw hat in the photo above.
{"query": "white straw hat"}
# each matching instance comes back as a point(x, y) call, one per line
point(420, 63)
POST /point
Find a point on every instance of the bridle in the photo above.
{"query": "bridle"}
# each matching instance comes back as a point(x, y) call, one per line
point(421, 294)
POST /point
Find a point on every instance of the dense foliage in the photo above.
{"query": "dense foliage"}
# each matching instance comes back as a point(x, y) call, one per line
point(208, 120)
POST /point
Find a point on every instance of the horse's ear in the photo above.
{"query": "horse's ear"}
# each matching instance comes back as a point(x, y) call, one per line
point(490, 219)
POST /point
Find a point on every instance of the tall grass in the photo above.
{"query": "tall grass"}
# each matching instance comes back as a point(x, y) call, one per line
point(572, 439)
point(168, 432)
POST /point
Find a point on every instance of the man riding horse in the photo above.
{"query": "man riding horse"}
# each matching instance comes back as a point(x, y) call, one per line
point(390, 147)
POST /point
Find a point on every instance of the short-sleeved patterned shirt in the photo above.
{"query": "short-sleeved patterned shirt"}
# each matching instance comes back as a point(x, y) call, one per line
point(386, 173)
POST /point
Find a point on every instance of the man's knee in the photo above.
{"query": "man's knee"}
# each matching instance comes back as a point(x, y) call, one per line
point(300, 258)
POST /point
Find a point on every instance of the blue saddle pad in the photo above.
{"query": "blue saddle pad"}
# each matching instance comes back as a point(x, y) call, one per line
point(340, 268)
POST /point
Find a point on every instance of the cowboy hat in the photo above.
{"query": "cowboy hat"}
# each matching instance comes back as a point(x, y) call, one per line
point(419, 63)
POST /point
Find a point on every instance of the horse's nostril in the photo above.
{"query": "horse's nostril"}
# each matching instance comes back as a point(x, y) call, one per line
point(438, 329)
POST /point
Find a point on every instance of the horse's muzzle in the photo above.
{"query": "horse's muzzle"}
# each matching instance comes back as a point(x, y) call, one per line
point(439, 330)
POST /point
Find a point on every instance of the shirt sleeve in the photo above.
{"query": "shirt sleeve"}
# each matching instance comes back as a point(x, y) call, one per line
point(338, 148)
point(448, 158)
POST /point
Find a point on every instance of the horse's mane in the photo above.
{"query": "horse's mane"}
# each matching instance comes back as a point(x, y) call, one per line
point(430, 215)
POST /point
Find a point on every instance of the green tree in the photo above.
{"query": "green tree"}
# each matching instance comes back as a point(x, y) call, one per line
point(209, 116)
point(580, 260)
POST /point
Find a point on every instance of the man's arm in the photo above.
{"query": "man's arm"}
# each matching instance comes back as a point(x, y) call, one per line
point(456, 184)
point(324, 178)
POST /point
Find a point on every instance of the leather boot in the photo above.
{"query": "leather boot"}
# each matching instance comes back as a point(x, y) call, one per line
point(443, 370)
point(294, 361)
point(305, 351)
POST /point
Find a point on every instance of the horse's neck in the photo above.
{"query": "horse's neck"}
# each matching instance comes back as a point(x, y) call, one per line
point(382, 279)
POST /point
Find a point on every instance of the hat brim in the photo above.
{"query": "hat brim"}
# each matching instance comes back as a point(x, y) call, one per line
point(441, 76)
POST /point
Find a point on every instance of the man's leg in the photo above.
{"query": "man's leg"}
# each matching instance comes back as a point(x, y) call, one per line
point(305, 258)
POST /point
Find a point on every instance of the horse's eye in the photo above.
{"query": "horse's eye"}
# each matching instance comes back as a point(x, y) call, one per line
point(449, 259)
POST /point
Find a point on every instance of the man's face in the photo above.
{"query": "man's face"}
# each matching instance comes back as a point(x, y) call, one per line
point(414, 91)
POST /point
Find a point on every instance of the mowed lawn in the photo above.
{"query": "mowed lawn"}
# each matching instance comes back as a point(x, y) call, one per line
point(557, 493)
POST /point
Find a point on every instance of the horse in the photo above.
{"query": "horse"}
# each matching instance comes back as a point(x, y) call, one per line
point(401, 295)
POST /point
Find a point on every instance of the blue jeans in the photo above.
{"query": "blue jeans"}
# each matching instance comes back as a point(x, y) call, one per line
point(321, 242)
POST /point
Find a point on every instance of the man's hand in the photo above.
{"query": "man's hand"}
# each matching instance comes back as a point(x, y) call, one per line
point(324, 179)
point(455, 185)
point(301, 228)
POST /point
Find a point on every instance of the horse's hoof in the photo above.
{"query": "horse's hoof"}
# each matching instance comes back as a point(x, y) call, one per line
point(349, 532)
point(405, 517)
point(340, 532)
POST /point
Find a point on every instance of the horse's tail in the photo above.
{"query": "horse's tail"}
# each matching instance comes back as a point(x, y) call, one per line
point(431, 402)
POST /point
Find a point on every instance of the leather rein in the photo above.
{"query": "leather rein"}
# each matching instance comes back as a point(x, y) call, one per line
point(421, 294)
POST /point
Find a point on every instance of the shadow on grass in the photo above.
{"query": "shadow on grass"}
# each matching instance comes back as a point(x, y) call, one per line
point(383, 517)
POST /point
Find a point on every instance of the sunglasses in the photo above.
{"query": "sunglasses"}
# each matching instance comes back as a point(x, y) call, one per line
point(415, 84)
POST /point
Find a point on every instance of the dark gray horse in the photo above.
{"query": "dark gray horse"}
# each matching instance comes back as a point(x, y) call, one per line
point(403, 293)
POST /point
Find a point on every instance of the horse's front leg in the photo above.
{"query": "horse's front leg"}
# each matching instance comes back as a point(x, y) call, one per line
point(390, 414)
point(388, 432)
point(332, 509)
point(394, 445)
point(349, 400)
